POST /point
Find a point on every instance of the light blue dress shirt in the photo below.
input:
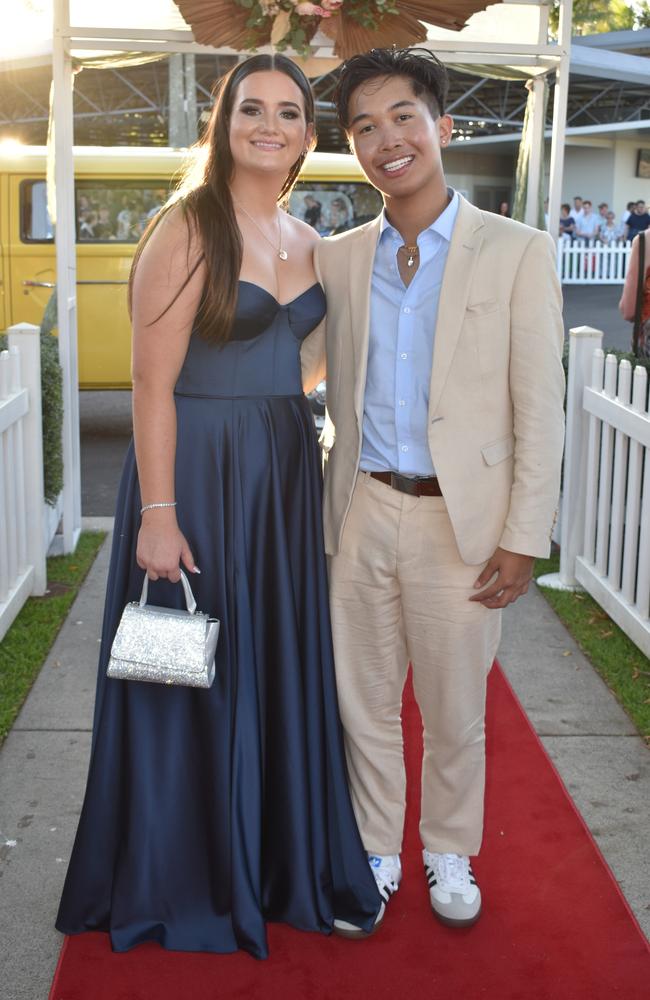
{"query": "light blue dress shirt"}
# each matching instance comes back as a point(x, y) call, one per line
point(400, 350)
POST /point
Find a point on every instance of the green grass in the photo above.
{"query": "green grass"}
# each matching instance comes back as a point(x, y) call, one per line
point(620, 663)
point(27, 643)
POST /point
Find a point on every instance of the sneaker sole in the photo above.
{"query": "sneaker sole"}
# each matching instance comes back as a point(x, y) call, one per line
point(358, 935)
point(455, 922)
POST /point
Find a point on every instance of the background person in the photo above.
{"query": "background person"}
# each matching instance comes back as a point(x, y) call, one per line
point(587, 222)
point(567, 223)
point(638, 220)
point(610, 231)
point(577, 209)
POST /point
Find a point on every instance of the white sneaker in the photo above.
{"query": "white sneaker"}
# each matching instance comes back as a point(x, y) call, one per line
point(387, 870)
point(453, 892)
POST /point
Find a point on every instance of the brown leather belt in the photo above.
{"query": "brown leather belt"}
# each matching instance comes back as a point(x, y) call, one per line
point(424, 487)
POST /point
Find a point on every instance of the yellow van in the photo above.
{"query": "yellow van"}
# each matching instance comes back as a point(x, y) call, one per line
point(117, 190)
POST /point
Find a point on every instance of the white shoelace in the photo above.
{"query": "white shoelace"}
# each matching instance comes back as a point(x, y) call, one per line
point(387, 877)
point(452, 870)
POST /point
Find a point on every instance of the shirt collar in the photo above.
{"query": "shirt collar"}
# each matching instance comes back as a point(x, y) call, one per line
point(443, 225)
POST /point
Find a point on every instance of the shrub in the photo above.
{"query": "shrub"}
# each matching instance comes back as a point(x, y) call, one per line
point(51, 402)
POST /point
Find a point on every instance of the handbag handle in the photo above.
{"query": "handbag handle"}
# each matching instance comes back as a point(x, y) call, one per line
point(190, 603)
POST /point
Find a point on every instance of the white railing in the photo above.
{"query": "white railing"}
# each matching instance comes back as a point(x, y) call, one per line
point(22, 549)
point(589, 262)
point(605, 530)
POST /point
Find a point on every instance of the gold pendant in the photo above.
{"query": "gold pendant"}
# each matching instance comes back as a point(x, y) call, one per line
point(282, 254)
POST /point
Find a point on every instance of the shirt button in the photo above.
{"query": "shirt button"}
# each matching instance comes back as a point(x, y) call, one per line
point(402, 402)
point(407, 310)
point(404, 447)
point(404, 356)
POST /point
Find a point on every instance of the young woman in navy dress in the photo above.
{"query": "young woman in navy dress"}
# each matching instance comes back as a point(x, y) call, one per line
point(210, 812)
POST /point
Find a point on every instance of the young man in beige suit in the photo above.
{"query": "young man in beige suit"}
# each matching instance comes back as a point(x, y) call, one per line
point(445, 393)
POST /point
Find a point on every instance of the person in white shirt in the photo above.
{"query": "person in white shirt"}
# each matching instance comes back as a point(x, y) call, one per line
point(587, 225)
point(577, 209)
point(629, 208)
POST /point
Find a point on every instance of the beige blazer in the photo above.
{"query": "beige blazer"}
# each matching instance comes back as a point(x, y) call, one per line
point(496, 420)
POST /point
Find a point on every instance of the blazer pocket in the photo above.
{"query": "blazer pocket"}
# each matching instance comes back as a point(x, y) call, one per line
point(497, 451)
point(475, 310)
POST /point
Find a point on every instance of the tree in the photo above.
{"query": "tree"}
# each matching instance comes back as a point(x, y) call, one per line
point(593, 17)
point(642, 15)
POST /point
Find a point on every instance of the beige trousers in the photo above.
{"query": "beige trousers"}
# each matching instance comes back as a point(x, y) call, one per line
point(398, 592)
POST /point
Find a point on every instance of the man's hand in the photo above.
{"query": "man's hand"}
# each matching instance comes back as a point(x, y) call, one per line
point(513, 574)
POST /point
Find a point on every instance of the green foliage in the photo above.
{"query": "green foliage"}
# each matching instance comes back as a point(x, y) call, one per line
point(642, 15)
point(27, 643)
point(593, 17)
point(301, 27)
point(620, 663)
point(51, 403)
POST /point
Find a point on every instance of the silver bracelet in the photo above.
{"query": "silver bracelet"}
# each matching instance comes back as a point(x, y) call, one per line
point(150, 506)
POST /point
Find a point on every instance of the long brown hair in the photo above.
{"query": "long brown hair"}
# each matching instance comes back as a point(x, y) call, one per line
point(205, 200)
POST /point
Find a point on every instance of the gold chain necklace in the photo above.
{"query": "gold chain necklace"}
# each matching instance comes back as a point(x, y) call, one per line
point(412, 252)
point(282, 254)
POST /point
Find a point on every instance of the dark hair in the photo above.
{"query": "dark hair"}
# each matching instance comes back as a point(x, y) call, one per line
point(586, 202)
point(427, 74)
point(577, 196)
point(205, 200)
point(564, 205)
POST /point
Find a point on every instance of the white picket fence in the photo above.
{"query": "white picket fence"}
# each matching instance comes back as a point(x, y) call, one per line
point(605, 516)
point(588, 262)
point(22, 543)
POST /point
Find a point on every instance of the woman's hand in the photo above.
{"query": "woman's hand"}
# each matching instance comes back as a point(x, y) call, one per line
point(162, 547)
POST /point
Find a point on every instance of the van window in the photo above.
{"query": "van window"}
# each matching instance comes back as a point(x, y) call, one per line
point(116, 211)
point(107, 211)
point(35, 225)
point(334, 206)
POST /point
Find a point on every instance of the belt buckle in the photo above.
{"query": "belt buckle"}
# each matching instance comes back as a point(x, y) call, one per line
point(404, 484)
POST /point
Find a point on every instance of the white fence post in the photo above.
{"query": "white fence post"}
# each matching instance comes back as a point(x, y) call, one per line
point(583, 341)
point(26, 338)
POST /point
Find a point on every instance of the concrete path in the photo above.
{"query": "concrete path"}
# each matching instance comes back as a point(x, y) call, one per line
point(43, 764)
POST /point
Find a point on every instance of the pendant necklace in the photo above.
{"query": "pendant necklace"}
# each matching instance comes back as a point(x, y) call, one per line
point(282, 254)
point(412, 253)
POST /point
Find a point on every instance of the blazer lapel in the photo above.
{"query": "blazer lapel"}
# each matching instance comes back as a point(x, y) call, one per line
point(464, 248)
point(359, 280)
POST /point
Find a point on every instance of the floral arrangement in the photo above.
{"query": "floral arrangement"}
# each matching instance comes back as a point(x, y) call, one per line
point(350, 25)
point(293, 23)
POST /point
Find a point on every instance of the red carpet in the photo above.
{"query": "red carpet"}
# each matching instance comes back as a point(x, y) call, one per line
point(554, 924)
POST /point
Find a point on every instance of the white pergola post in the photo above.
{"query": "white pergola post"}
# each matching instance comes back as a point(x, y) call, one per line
point(536, 162)
point(66, 272)
point(560, 98)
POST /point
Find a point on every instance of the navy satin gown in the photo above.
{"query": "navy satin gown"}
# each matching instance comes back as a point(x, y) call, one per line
point(208, 813)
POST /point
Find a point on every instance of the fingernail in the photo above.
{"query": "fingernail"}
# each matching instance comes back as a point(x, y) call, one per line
point(195, 569)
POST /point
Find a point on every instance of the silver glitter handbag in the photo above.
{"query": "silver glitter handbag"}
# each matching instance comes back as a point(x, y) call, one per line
point(164, 645)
